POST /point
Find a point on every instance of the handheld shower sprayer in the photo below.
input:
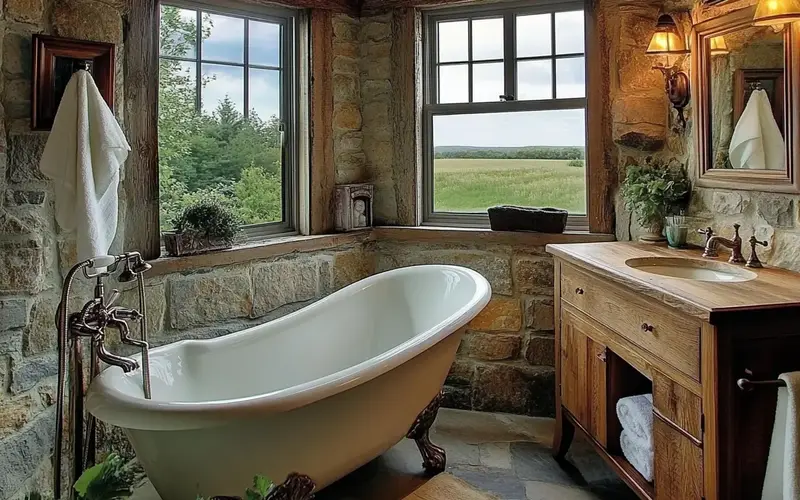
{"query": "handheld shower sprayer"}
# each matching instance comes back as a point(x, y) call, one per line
point(96, 315)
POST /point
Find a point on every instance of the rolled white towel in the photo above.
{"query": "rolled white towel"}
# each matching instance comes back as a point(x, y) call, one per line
point(639, 452)
point(635, 413)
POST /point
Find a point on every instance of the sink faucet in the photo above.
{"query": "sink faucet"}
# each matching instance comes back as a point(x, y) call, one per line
point(735, 245)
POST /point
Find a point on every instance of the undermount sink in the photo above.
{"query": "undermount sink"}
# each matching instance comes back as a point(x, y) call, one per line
point(692, 269)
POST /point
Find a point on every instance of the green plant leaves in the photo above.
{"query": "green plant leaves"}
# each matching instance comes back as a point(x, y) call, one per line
point(209, 218)
point(260, 489)
point(655, 190)
point(109, 480)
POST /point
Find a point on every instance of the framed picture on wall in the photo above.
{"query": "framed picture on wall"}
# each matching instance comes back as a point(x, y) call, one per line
point(745, 81)
point(55, 60)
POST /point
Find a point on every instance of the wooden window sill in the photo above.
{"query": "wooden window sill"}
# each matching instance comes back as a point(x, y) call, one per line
point(435, 234)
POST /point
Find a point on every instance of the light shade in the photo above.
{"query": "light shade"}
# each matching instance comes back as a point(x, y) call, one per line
point(666, 39)
point(718, 46)
point(772, 12)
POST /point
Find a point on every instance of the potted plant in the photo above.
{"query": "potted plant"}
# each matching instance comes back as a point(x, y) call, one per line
point(204, 226)
point(116, 479)
point(653, 191)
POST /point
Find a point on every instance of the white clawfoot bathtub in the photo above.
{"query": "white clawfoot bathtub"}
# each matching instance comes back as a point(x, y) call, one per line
point(320, 392)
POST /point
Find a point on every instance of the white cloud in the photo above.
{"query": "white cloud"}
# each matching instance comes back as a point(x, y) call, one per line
point(569, 32)
point(530, 128)
point(453, 41)
point(265, 91)
point(535, 81)
point(534, 35)
point(226, 41)
point(265, 43)
point(222, 81)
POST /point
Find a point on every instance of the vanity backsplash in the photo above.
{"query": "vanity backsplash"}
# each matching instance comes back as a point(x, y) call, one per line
point(644, 125)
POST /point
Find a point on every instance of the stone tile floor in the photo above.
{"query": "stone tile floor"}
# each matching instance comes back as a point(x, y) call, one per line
point(506, 455)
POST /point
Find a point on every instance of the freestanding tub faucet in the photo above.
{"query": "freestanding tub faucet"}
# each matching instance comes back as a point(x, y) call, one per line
point(98, 314)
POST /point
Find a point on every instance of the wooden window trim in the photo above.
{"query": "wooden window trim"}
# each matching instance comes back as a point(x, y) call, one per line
point(599, 216)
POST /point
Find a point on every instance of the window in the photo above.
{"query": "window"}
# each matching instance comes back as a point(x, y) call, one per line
point(504, 111)
point(226, 118)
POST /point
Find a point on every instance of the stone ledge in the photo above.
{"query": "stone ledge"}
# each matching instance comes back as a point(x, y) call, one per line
point(256, 251)
point(433, 234)
point(291, 244)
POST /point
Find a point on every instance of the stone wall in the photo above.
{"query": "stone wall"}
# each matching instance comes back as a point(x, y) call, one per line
point(638, 91)
point(505, 362)
point(34, 253)
point(348, 151)
point(32, 250)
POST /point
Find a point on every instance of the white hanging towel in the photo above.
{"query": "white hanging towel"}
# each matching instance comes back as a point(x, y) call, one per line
point(757, 143)
point(782, 480)
point(83, 156)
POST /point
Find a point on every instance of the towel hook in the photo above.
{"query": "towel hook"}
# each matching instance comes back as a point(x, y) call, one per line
point(85, 64)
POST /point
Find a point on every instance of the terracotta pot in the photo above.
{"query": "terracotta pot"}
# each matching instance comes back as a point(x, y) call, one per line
point(654, 235)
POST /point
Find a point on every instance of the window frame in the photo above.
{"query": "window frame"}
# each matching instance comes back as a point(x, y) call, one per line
point(431, 108)
point(291, 22)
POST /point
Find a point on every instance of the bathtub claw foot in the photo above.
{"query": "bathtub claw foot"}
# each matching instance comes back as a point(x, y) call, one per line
point(434, 459)
point(296, 487)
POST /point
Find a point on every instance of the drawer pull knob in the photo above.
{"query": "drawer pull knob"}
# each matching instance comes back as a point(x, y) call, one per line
point(647, 328)
point(579, 291)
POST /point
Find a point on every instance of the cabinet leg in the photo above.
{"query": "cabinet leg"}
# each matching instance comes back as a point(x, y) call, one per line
point(562, 439)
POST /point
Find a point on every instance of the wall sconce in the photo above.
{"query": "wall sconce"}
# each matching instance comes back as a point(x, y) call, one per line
point(776, 13)
point(668, 41)
point(718, 46)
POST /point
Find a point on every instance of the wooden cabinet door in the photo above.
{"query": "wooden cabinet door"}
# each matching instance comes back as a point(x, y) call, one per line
point(574, 368)
point(678, 464)
point(583, 376)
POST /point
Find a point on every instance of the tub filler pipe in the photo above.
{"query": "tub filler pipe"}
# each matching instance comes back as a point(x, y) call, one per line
point(96, 315)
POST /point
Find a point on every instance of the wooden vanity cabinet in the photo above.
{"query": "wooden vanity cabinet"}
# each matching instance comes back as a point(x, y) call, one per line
point(617, 338)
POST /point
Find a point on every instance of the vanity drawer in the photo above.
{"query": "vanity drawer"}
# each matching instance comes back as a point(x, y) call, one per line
point(673, 337)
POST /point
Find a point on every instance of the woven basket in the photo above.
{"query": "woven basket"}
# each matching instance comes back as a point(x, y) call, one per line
point(540, 220)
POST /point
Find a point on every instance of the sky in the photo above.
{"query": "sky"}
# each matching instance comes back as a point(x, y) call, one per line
point(226, 44)
point(534, 39)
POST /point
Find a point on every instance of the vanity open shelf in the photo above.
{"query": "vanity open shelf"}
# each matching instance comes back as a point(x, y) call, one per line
point(624, 331)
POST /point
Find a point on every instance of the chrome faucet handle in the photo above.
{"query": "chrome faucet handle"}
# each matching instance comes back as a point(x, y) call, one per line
point(754, 261)
point(115, 295)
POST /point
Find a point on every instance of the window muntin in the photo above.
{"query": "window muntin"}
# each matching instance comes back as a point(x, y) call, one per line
point(226, 118)
point(491, 75)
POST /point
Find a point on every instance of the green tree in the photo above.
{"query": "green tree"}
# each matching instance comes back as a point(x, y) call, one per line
point(223, 155)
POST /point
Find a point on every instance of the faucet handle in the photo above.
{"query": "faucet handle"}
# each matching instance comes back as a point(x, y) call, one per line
point(115, 295)
point(708, 232)
point(754, 261)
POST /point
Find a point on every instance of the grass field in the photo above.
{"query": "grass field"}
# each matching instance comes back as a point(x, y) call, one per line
point(462, 185)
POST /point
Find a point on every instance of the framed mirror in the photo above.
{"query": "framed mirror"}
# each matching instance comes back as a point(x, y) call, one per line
point(747, 107)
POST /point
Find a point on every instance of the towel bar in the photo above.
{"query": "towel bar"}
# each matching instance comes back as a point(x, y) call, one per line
point(748, 385)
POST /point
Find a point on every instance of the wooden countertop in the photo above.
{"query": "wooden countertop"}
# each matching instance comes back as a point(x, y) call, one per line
point(773, 288)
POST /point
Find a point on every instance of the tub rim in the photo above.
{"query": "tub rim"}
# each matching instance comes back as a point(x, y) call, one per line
point(111, 405)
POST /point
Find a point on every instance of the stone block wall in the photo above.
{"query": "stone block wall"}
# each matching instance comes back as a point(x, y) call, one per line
point(505, 361)
point(770, 216)
point(34, 253)
point(32, 250)
point(348, 151)
point(375, 70)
